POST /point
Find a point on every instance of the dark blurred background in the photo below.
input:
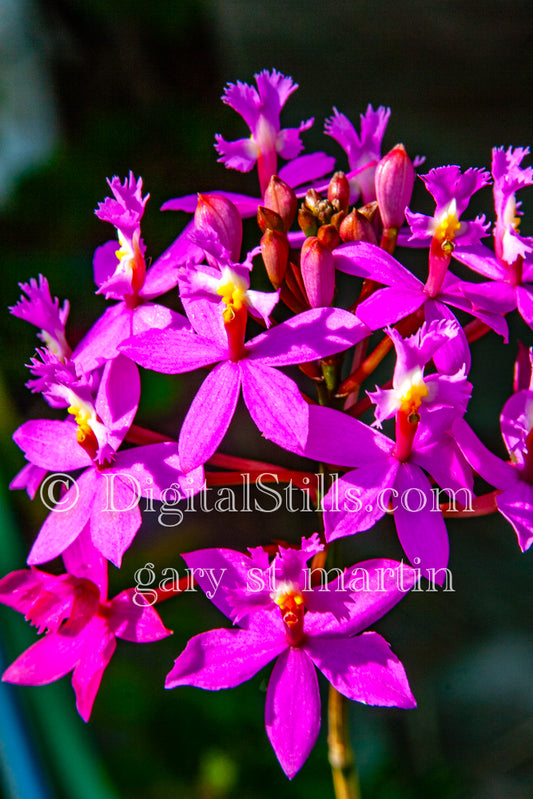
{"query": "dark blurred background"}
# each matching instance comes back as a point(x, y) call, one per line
point(90, 89)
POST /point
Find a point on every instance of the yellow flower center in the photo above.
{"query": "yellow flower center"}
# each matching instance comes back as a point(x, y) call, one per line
point(233, 296)
point(412, 400)
point(446, 228)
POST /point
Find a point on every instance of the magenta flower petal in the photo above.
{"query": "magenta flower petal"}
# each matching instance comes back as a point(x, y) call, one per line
point(18, 589)
point(66, 521)
point(376, 586)
point(99, 645)
point(48, 659)
point(422, 532)
point(310, 335)
point(52, 445)
point(209, 415)
point(152, 469)
point(275, 404)
point(114, 524)
point(454, 355)
point(29, 479)
point(172, 351)
point(516, 504)
point(225, 658)
point(482, 260)
point(363, 259)
point(101, 342)
point(306, 168)
point(133, 623)
point(292, 710)
point(524, 300)
point(443, 460)
point(389, 305)
point(341, 440)
point(240, 154)
point(363, 669)
point(247, 206)
point(491, 468)
point(83, 560)
point(356, 501)
point(218, 570)
point(118, 397)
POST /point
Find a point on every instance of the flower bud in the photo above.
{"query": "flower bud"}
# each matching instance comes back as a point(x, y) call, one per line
point(279, 197)
point(269, 220)
point(275, 251)
point(394, 179)
point(329, 236)
point(307, 220)
point(356, 227)
point(339, 192)
point(220, 215)
point(318, 272)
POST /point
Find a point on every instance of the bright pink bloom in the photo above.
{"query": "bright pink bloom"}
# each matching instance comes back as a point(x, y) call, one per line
point(260, 108)
point(79, 621)
point(288, 626)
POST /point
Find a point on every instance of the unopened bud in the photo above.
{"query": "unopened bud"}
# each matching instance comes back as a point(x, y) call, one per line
point(356, 227)
point(318, 272)
point(339, 192)
point(217, 213)
point(279, 197)
point(307, 221)
point(329, 236)
point(371, 212)
point(269, 220)
point(275, 251)
point(395, 178)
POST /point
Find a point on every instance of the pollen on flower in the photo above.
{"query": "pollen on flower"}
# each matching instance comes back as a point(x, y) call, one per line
point(233, 294)
point(85, 435)
point(412, 399)
point(447, 226)
point(290, 600)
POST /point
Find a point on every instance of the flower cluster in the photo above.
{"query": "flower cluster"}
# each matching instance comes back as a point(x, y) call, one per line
point(313, 222)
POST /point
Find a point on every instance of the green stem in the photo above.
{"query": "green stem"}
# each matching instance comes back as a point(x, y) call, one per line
point(344, 772)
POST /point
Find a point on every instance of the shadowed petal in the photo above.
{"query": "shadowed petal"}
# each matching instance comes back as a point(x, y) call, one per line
point(422, 531)
point(134, 623)
point(209, 415)
point(306, 337)
point(99, 645)
point(225, 658)
point(51, 445)
point(516, 504)
point(362, 668)
point(115, 518)
point(292, 711)
point(50, 658)
point(275, 405)
point(356, 501)
point(66, 521)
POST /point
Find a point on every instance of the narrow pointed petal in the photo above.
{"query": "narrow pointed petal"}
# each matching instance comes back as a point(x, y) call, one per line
point(99, 645)
point(375, 586)
point(83, 560)
point(153, 468)
point(164, 273)
point(118, 397)
point(338, 439)
point(225, 658)
point(209, 415)
point(306, 168)
point(444, 461)
point(66, 521)
point(114, 519)
point(524, 298)
point(481, 260)
point(356, 501)
point(306, 337)
point(17, 589)
point(363, 259)
point(389, 305)
point(491, 468)
point(292, 711)
point(51, 445)
point(100, 343)
point(454, 355)
point(516, 504)
point(133, 623)
point(275, 405)
point(50, 658)
point(422, 531)
point(363, 669)
point(172, 351)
